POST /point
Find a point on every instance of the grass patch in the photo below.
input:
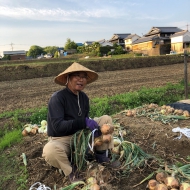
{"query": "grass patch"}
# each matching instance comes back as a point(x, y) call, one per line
point(10, 138)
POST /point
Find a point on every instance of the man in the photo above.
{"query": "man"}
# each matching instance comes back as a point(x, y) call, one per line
point(68, 112)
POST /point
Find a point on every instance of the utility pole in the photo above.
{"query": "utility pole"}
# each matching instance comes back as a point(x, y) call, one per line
point(187, 27)
point(185, 74)
point(12, 46)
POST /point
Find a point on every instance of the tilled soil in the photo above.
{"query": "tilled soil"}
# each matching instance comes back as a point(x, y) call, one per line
point(153, 137)
point(30, 93)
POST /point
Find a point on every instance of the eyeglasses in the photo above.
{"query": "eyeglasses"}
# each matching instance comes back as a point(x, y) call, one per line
point(78, 76)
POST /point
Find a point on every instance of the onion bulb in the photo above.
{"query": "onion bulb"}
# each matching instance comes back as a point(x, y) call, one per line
point(161, 186)
point(106, 129)
point(161, 176)
point(102, 139)
point(28, 129)
point(116, 149)
point(152, 184)
point(91, 180)
point(24, 132)
point(184, 186)
point(171, 182)
point(43, 123)
point(186, 113)
point(129, 113)
point(33, 131)
point(116, 141)
point(95, 186)
point(106, 138)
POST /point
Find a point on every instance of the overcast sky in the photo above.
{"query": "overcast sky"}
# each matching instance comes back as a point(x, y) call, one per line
point(24, 23)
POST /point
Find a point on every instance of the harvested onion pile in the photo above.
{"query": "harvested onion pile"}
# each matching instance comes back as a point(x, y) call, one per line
point(165, 114)
point(30, 129)
point(164, 182)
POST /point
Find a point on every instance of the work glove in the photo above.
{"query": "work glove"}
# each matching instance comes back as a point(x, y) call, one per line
point(91, 124)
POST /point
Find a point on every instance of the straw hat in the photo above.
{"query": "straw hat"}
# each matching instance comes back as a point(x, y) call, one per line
point(75, 67)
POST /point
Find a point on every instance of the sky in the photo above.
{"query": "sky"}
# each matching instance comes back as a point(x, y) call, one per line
point(24, 23)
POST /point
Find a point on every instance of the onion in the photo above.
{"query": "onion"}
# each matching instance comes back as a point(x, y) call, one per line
point(186, 113)
point(161, 176)
point(28, 129)
point(180, 112)
point(33, 131)
point(161, 186)
point(184, 186)
point(129, 113)
point(95, 186)
point(102, 139)
point(35, 126)
point(24, 132)
point(43, 123)
point(116, 149)
point(106, 138)
point(152, 184)
point(171, 182)
point(116, 141)
point(134, 112)
point(162, 111)
point(91, 180)
point(106, 129)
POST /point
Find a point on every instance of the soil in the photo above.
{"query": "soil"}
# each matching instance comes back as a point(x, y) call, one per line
point(153, 137)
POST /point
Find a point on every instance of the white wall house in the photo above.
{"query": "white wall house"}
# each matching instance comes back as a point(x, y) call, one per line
point(105, 43)
point(180, 41)
point(129, 40)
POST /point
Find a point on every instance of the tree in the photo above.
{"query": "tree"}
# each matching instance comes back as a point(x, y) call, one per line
point(70, 44)
point(50, 49)
point(56, 54)
point(34, 51)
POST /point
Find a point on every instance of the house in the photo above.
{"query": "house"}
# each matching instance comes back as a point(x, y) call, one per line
point(180, 41)
point(119, 39)
point(156, 42)
point(15, 55)
point(104, 43)
point(79, 44)
point(129, 40)
point(87, 43)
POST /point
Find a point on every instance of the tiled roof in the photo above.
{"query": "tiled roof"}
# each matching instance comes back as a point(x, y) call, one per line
point(179, 33)
point(130, 36)
point(122, 36)
point(149, 38)
point(119, 36)
point(156, 30)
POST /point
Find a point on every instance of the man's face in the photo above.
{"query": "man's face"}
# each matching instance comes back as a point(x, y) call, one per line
point(77, 81)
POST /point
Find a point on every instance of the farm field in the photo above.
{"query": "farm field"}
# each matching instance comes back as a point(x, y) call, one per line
point(153, 137)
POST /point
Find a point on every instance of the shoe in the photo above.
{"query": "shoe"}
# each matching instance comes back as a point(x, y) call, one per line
point(101, 157)
point(74, 176)
point(113, 165)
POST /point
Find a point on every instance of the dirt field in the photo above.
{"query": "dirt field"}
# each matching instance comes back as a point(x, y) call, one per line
point(140, 130)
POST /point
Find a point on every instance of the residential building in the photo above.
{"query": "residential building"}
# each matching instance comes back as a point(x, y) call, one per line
point(104, 42)
point(119, 39)
point(156, 42)
point(87, 43)
point(129, 40)
point(16, 55)
point(180, 41)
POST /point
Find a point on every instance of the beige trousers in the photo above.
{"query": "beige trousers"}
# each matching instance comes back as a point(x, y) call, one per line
point(57, 151)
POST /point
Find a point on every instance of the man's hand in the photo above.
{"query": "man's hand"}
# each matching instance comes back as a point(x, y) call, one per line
point(91, 124)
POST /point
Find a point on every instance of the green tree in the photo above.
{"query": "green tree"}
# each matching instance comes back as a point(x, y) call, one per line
point(6, 57)
point(34, 51)
point(50, 49)
point(70, 44)
point(56, 54)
